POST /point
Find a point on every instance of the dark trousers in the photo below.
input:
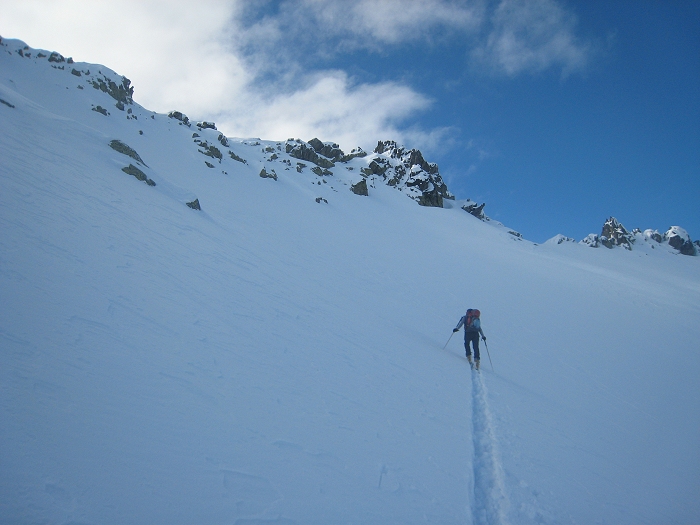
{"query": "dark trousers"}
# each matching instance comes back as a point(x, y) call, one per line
point(474, 338)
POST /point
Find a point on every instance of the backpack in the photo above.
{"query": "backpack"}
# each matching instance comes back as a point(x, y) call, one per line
point(471, 316)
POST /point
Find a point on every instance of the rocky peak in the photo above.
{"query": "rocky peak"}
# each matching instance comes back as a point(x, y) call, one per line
point(408, 171)
point(615, 234)
point(329, 150)
point(412, 157)
point(679, 239)
point(323, 154)
point(301, 150)
point(477, 210)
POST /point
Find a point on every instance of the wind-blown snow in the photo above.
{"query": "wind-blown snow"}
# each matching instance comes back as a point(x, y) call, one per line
point(274, 359)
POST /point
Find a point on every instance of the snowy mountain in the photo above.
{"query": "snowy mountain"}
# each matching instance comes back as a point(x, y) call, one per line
point(201, 329)
point(675, 240)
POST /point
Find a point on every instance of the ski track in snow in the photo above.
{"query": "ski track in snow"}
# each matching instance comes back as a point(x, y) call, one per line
point(490, 503)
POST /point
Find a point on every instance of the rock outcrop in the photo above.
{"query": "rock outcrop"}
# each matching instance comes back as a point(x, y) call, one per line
point(477, 210)
point(140, 175)
point(360, 188)
point(560, 239)
point(615, 234)
point(268, 174)
point(679, 239)
point(305, 151)
point(125, 149)
point(409, 172)
point(177, 115)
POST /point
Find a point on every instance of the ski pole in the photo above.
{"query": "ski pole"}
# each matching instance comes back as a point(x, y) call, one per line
point(489, 354)
point(448, 341)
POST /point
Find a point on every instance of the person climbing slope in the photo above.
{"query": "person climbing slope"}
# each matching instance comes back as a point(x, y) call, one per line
point(472, 329)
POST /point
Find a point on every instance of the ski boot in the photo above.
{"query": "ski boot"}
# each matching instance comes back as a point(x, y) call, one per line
point(476, 364)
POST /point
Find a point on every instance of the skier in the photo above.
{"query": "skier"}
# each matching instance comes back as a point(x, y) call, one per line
point(472, 329)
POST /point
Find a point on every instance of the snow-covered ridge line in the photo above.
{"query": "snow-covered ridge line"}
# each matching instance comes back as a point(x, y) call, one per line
point(405, 170)
point(390, 163)
point(614, 234)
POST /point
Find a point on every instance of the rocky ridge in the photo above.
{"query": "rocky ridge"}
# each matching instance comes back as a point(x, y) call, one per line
point(614, 235)
point(405, 170)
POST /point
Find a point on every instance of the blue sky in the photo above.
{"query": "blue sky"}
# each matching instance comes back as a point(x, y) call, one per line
point(557, 114)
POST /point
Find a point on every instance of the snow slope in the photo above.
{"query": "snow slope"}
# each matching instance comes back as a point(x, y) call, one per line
point(274, 359)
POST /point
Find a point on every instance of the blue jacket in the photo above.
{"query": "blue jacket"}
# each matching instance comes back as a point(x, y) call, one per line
point(475, 327)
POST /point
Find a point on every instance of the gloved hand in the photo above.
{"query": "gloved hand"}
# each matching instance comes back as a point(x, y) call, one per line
point(455, 330)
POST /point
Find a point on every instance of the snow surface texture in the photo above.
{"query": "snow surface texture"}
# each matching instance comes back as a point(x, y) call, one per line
point(277, 356)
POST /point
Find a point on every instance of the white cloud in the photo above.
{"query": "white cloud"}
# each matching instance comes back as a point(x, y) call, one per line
point(394, 21)
point(186, 56)
point(331, 107)
point(174, 51)
point(531, 36)
point(222, 60)
point(368, 24)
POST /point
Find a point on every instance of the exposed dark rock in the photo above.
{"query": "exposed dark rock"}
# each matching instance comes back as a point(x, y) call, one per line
point(140, 175)
point(206, 125)
point(321, 199)
point(209, 164)
point(591, 240)
point(302, 151)
point(268, 174)
point(124, 149)
point(223, 140)
point(76, 72)
point(558, 239)
point(316, 144)
point(653, 235)
point(119, 105)
point(356, 153)
point(679, 239)
point(377, 167)
point(209, 150)
point(318, 170)
point(119, 92)
point(194, 204)
point(415, 157)
point(420, 179)
point(100, 109)
point(360, 188)
point(177, 115)
point(331, 151)
point(430, 198)
point(615, 234)
point(477, 210)
point(56, 57)
point(6, 103)
point(236, 157)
